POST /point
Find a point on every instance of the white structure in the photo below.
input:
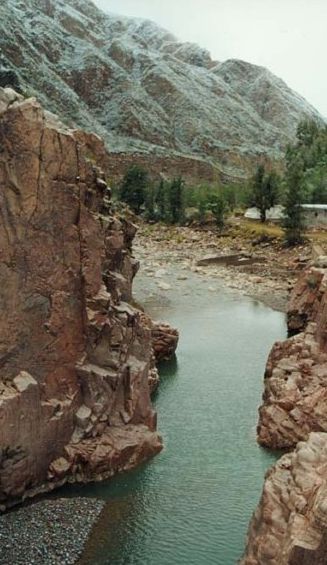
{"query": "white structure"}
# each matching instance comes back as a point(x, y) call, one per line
point(274, 214)
point(315, 214)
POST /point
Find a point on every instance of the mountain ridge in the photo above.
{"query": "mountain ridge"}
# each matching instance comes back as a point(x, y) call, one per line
point(144, 91)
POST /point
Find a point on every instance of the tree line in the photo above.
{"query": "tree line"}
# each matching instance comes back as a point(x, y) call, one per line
point(304, 180)
point(169, 201)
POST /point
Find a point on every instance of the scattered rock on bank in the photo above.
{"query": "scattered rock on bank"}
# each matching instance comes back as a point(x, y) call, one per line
point(170, 255)
point(51, 532)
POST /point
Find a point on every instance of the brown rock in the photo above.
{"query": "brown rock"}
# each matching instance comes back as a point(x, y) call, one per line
point(164, 340)
point(289, 526)
point(305, 298)
point(75, 357)
point(295, 396)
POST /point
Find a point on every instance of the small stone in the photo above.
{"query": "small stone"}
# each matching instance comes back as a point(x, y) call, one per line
point(164, 286)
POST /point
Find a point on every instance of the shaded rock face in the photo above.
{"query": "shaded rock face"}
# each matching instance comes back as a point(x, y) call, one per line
point(142, 90)
point(75, 357)
point(306, 298)
point(289, 526)
point(295, 396)
point(164, 341)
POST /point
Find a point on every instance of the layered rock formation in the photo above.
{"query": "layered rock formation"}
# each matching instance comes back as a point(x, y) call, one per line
point(289, 526)
point(145, 92)
point(295, 396)
point(75, 356)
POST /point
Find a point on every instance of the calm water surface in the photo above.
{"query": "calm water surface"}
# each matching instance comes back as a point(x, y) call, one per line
point(191, 505)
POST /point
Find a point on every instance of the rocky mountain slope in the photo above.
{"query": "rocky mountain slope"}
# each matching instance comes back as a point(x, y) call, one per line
point(76, 359)
point(142, 90)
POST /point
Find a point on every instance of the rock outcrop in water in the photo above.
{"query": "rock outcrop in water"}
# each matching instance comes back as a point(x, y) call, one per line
point(164, 341)
point(144, 92)
point(295, 396)
point(75, 356)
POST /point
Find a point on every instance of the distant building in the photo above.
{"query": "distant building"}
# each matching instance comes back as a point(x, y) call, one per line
point(274, 214)
point(315, 214)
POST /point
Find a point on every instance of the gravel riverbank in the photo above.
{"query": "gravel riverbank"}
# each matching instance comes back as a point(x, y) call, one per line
point(170, 256)
point(50, 532)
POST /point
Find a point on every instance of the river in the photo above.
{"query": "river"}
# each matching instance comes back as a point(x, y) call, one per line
point(191, 505)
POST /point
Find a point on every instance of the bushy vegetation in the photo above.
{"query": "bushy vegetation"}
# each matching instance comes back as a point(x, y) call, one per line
point(263, 191)
point(133, 190)
point(172, 202)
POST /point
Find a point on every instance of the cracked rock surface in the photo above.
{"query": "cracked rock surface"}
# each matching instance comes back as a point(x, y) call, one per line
point(75, 356)
point(289, 526)
point(295, 395)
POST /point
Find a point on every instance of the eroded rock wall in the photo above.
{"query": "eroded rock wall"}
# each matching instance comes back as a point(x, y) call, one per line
point(75, 357)
point(295, 395)
point(289, 526)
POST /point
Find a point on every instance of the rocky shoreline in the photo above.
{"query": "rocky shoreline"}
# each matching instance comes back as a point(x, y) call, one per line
point(50, 532)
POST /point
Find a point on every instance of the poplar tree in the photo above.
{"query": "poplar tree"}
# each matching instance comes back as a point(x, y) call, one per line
point(264, 191)
point(293, 223)
point(133, 188)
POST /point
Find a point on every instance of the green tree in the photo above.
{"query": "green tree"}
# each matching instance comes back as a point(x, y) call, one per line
point(149, 204)
point(217, 206)
point(293, 223)
point(263, 191)
point(309, 155)
point(176, 200)
point(161, 200)
point(133, 188)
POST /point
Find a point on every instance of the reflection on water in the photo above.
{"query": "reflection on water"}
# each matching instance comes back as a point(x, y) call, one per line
point(191, 504)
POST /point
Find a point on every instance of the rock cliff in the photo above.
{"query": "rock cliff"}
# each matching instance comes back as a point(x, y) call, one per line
point(289, 526)
point(144, 92)
point(295, 395)
point(75, 356)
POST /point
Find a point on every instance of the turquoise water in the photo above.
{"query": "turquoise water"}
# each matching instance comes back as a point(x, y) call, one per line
point(191, 505)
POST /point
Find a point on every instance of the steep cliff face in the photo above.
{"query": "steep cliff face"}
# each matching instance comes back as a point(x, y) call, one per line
point(289, 526)
point(142, 90)
point(295, 396)
point(75, 357)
